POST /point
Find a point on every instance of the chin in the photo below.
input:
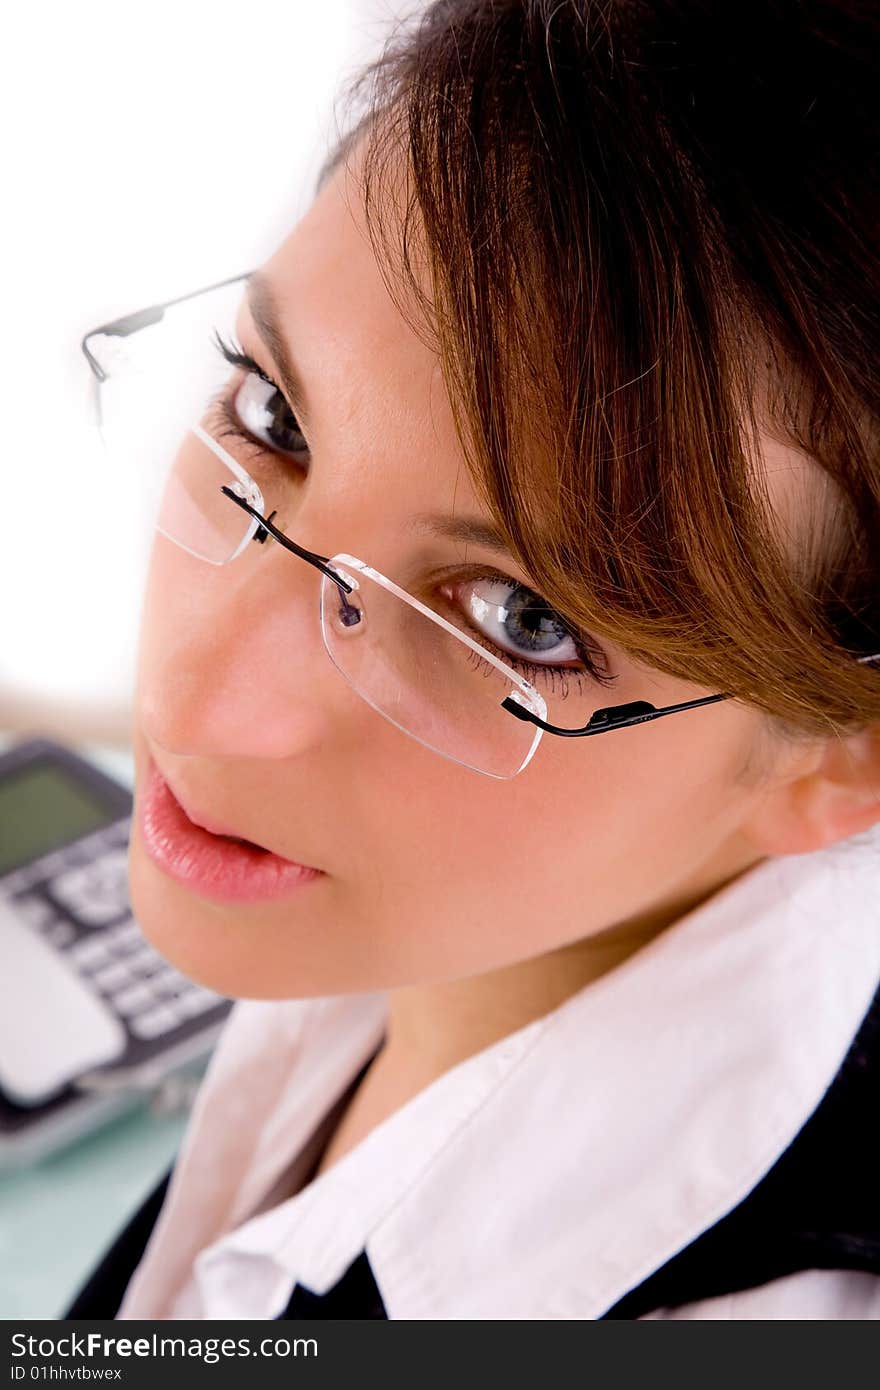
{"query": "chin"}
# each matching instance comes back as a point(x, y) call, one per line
point(230, 950)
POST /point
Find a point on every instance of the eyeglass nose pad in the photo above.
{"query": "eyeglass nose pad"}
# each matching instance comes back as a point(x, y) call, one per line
point(530, 699)
point(251, 495)
point(348, 615)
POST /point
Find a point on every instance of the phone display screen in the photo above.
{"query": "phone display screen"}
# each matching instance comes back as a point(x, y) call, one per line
point(43, 806)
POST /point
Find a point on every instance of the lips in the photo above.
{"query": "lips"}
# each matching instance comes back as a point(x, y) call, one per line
point(212, 866)
point(216, 827)
point(211, 825)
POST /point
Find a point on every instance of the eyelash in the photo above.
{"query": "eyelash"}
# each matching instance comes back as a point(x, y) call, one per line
point(235, 355)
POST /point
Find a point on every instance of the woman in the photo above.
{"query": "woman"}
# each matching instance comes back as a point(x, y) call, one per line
point(584, 318)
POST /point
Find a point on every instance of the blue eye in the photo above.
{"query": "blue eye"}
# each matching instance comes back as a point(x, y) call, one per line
point(518, 626)
point(518, 620)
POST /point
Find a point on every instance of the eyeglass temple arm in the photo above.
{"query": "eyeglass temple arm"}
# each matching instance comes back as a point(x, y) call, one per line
point(120, 328)
point(622, 716)
point(319, 561)
point(614, 717)
point(142, 318)
point(131, 323)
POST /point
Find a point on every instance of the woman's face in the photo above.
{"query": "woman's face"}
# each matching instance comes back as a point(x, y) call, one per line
point(430, 871)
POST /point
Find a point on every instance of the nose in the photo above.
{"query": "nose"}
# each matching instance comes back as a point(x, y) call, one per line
point(231, 662)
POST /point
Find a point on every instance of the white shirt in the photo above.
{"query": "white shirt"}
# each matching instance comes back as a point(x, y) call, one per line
point(548, 1174)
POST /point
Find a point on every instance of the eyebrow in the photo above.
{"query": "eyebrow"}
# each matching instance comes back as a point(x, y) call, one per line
point(460, 528)
point(263, 310)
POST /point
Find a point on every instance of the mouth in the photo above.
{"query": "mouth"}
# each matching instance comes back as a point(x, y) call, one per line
point(214, 827)
point(217, 863)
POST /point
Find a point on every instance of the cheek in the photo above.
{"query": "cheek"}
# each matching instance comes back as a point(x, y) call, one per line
point(181, 634)
point(164, 599)
point(482, 871)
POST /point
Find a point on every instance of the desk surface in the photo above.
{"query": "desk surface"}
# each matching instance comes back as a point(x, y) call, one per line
point(58, 1216)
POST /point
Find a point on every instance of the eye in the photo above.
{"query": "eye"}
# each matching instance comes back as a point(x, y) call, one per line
point(259, 407)
point(263, 411)
point(516, 620)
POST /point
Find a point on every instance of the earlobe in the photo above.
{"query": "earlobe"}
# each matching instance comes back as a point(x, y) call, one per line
point(832, 795)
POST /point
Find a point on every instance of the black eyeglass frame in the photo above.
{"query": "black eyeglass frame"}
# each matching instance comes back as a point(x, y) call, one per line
point(602, 721)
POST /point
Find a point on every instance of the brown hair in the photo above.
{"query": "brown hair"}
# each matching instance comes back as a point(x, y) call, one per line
point(647, 227)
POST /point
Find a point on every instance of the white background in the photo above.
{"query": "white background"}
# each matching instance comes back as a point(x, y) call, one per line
point(147, 150)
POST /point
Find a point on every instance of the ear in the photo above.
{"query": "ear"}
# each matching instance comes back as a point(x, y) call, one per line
point(829, 791)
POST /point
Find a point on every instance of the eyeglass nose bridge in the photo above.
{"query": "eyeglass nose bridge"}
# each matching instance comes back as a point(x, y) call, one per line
point(346, 584)
point(349, 614)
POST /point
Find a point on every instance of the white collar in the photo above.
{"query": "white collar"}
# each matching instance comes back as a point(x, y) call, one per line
point(553, 1171)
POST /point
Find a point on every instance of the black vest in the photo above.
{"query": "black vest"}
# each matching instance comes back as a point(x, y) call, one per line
point(817, 1208)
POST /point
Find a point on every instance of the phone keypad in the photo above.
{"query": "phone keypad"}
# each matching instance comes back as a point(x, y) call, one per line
point(95, 893)
point(60, 934)
point(82, 909)
point(151, 996)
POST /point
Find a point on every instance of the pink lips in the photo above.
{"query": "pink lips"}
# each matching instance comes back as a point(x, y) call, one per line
point(206, 862)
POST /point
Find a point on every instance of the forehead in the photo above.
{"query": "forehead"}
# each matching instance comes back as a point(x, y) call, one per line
point(364, 365)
